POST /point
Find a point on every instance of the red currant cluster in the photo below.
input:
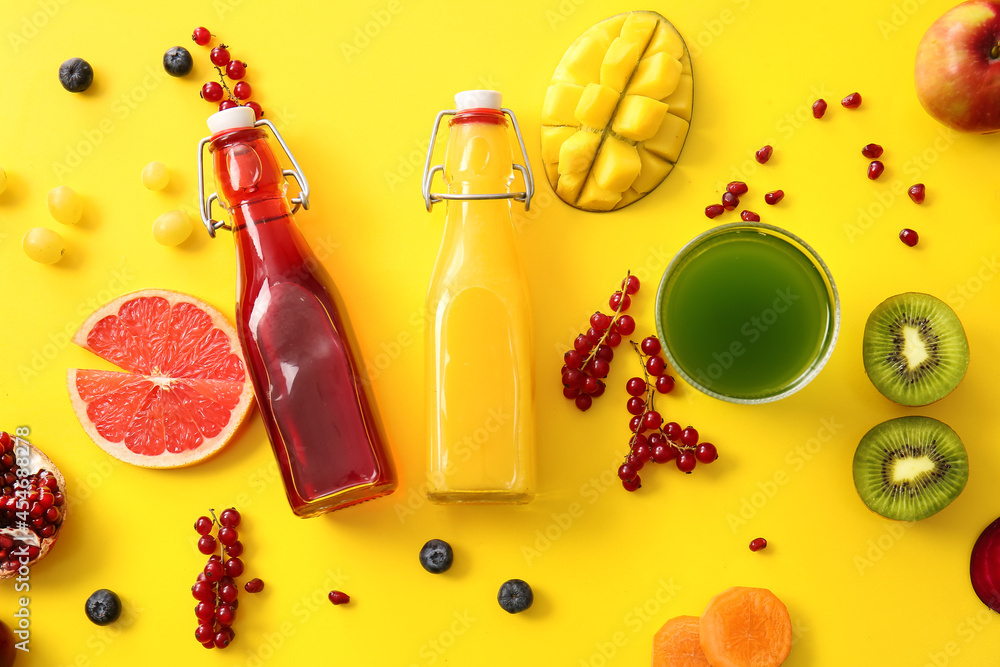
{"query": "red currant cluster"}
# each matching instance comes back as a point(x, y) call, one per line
point(216, 589)
point(652, 440)
point(234, 70)
point(589, 362)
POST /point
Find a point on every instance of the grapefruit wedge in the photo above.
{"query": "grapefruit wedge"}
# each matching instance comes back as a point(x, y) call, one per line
point(183, 389)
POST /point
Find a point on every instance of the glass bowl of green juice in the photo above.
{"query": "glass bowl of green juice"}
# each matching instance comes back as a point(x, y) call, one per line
point(747, 313)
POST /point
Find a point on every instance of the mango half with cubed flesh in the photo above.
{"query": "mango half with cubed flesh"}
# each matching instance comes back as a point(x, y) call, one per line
point(617, 112)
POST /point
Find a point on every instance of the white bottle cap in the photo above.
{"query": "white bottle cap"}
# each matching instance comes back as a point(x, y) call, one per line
point(233, 118)
point(477, 99)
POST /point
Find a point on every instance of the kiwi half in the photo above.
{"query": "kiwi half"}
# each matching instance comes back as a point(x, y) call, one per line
point(910, 468)
point(914, 349)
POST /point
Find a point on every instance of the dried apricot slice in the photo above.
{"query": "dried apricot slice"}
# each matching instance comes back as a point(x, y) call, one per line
point(617, 111)
point(677, 644)
point(746, 627)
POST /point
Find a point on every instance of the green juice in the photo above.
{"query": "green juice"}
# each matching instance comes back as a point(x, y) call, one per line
point(747, 313)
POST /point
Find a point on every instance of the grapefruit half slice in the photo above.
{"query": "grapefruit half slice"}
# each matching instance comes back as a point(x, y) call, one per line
point(183, 389)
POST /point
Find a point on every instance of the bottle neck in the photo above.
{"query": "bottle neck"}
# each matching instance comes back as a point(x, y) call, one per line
point(478, 160)
point(248, 177)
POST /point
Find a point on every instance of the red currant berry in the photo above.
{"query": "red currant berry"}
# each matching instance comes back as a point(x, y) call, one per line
point(206, 544)
point(625, 325)
point(219, 56)
point(599, 391)
point(661, 453)
point(706, 452)
point(573, 378)
point(757, 544)
point(875, 169)
point(631, 285)
point(203, 591)
point(211, 91)
point(605, 352)
point(652, 420)
point(620, 299)
point(201, 36)
point(871, 151)
point(614, 338)
point(852, 101)
point(213, 570)
point(655, 365)
point(633, 461)
point(234, 567)
point(650, 345)
point(204, 632)
point(641, 452)
point(664, 384)
point(242, 90)
point(635, 424)
point(672, 430)
point(203, 525)
point(583, 402)
point(235, 549)
point(633, 484)
point(228, 592)
point(774, 197)
point(258, 112)
point(657, 438)
point(819, 108)
point(686, 461)
point(730, 201)
point(236, 70)
point(227, 104)
point(223, 638)
point(600, 321)
point(573, 359)
point(635, 387)
point(689, 437)
point(571, 392)
point(737, 188)
point(225, 614)
point(337, 597)
point(635, 406)
point(254, 586)
point(601, 368)
point(582, 344)
point(917, 193)
point(764, 154)
point(909, 237)
point(205, 611)
point(589, 385)
point(230, 518)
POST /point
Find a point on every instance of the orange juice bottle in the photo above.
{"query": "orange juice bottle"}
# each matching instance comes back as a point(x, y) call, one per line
point(480, 394)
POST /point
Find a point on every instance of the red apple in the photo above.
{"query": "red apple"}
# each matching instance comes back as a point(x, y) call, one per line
point(958, 67)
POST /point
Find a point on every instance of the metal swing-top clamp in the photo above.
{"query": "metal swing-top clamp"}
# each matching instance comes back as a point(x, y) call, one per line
point(431, 198)
point(206, 204)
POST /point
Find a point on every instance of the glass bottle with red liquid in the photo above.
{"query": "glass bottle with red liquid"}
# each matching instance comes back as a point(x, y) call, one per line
point(311, 386)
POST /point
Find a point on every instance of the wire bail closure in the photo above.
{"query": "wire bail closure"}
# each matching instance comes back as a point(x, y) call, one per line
point(206, 204)
point(431, 198)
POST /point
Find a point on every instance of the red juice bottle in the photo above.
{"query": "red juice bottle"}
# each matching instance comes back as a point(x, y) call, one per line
point(311, 386)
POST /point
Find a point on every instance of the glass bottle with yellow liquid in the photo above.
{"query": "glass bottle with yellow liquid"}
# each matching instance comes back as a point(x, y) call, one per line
point(480, 394)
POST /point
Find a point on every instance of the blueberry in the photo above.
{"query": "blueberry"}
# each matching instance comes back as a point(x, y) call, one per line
point(436, 556)
point(103, 607)
point(515, 595)
point(177, 61)
point(76, 75)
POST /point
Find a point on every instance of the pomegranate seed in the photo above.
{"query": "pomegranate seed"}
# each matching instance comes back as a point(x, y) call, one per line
point(875, 169)
point(871, 151)
point(757, 544)
point(852, 101)
point(337, 597)
point(917, 193)
point(749, 216)
point(819, 108)
point(714, 211)
point(774, 197)
point(254, 586)
point(730, 201)
point(764, 154)
point(909, 237)
point(737, 188)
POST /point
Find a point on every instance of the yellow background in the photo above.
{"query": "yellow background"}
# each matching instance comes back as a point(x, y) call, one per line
point(608, 567)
